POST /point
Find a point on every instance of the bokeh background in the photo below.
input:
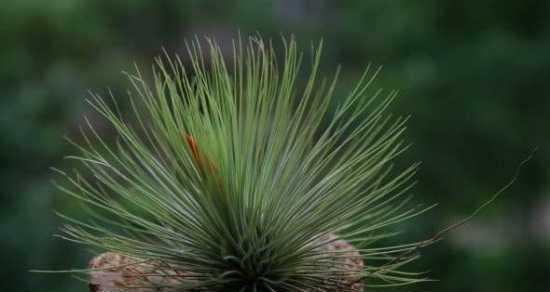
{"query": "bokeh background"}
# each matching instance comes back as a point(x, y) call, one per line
point(474, 75)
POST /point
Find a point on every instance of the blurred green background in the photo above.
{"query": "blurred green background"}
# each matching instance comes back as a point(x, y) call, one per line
point(475, 75)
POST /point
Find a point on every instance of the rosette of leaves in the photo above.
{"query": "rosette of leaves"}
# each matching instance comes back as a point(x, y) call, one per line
point(236, 173)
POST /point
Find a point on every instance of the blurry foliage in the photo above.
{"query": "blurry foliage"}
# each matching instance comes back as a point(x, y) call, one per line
point(475, 75)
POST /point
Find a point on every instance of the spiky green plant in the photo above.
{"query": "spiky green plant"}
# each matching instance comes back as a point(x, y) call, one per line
point(232, 171)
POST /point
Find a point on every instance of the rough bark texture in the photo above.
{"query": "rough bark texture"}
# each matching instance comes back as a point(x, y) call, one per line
point(116, 272)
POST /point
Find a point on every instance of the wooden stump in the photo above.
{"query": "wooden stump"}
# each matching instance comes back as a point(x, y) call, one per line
point(117, 273)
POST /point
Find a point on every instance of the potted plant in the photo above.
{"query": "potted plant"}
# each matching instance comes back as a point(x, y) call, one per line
point(231, 176)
